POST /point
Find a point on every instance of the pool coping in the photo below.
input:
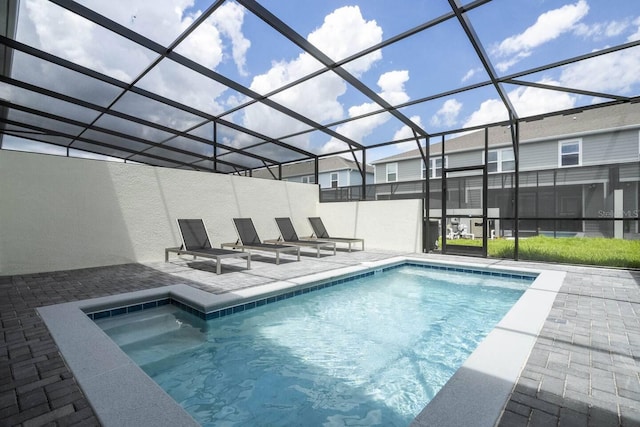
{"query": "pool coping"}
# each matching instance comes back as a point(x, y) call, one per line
point(121, 393)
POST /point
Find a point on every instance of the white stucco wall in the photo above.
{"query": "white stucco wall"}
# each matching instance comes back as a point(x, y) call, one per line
point(59, 213)
point(384, 224)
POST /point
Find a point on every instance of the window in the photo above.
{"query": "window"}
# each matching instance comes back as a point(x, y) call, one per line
point(392, 172)
point(424, 170)
point(334, 180)
point(310, 179)
point(570, 153)
point(501, 160)
point(492, 161)
point(436, 167)
point(508, 160)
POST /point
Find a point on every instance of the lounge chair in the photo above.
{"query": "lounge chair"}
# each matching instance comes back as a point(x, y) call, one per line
point(288, 236)
point(248, 239)
point(195, 241)
point(458, 231)
point(321, 233)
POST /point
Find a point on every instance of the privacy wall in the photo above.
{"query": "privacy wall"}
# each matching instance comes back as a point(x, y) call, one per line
point(59, 213)
point(384, 224)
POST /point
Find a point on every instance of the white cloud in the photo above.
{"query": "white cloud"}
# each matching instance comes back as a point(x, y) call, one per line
point(470, 74)
point(342, 33)
point(602, 30)
point(490, 111)
point(636, 35)
point(69, 36)
point(527, 101)
point(406, 132)
point(164, 20)
point(615, 73)
point(228, 19)
point(345, 32)
point(63, 33)
point(549, 26)
point(447, 115)
point(392, 85)
point(503, 66)
point(318, 98)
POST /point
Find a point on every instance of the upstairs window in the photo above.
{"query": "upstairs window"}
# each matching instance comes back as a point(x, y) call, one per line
point(392, 172)
point(501, 160)
point(436, 166)
point(310, 179)
point(508, 160)
point(334, 180)
point(570, 153)
point(492, 161)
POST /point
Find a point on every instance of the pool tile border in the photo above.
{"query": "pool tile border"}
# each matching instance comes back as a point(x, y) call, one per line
point(209, 315)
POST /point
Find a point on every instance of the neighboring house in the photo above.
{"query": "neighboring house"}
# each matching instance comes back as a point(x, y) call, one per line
point(584, 165)
point(334, 172)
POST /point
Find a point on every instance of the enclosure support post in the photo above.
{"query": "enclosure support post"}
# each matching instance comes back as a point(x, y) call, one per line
point(363, 172)
point(426, 230)
point(485, 195)
point(443, 204)
point(515, 129)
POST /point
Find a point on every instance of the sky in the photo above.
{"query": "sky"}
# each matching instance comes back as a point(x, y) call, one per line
point(516, 36)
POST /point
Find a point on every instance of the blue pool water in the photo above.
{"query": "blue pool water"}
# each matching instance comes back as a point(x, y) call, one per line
point(372, 351)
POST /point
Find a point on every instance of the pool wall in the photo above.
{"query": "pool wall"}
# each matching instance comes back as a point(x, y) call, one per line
point(121, 393)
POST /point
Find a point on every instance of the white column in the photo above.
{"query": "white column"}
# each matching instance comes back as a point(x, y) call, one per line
point(618, 214)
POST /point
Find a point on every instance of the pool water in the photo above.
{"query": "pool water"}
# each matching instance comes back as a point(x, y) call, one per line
point(372, 351)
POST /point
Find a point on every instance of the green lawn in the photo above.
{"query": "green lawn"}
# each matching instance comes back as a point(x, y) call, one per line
point(590, 251)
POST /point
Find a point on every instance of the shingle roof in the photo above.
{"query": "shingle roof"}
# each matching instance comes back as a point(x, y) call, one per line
point(585, 122)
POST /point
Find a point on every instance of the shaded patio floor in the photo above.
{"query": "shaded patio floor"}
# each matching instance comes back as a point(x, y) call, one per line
point(584, 369)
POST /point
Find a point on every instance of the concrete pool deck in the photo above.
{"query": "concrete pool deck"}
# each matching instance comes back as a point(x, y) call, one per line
point(583, 370)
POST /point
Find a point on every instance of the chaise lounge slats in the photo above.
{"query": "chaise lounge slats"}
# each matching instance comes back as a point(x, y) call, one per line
point(288, 236)
point(248, 239)
point(195, 242)
point(321, 233)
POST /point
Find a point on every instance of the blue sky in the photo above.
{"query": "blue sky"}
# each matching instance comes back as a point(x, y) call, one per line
point(516, 35)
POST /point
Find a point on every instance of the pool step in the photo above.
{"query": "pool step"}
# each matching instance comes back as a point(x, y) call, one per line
point(164, 346)
point(131, 328)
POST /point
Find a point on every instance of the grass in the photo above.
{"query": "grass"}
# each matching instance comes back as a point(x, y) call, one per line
point(571, 250)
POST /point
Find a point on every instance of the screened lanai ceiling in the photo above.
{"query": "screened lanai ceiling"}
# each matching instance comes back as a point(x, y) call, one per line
point(229, 86)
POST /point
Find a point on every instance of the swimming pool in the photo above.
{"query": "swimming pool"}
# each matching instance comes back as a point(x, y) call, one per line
point(120, 392)
point(371, 351)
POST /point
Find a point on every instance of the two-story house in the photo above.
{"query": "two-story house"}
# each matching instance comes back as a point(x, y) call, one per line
point(578, 172)
point(333, 172)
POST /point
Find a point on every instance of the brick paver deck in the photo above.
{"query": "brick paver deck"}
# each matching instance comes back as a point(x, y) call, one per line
point(583, 371)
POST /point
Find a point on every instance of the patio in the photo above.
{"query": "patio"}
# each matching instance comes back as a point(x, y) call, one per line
point(583, 370)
